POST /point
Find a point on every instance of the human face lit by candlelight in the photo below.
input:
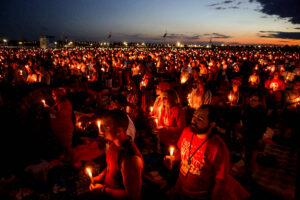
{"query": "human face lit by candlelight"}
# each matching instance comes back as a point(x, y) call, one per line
point(200, 123)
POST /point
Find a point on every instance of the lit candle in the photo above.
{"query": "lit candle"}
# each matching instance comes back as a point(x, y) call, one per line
point(79, 125)
point(44, 102)
point(21, 72)
point(151, 110)
point(171, 155)
point(183, 79)
point(99, 126)
point(230, 98)
point(171, 151)
point(156, 122)
point(89, 173)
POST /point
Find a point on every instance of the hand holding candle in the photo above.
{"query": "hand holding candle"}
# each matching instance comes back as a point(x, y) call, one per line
point(169, 160)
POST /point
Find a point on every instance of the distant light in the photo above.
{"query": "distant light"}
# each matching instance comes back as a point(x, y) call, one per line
point(4, 40)
point(20, 43)
point(222, 45)
point(55, 43)
point(125, 43)
point(91, 44)
point(144, 44)
point(178, 44)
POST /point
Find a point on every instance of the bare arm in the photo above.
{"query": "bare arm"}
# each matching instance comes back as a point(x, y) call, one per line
point(131, 169)
point(100, 177)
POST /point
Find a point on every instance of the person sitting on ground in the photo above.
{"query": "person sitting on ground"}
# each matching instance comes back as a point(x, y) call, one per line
point(122, 178)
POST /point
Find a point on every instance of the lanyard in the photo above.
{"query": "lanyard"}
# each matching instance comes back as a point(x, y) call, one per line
point(190, 157)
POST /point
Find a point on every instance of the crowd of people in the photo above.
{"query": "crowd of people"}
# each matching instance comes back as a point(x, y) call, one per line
point(212, 107)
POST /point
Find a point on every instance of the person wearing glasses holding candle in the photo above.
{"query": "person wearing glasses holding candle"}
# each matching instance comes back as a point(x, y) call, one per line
point(122, 178)
point(204, 162)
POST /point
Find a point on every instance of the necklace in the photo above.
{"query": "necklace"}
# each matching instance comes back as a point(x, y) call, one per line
point(191, 156)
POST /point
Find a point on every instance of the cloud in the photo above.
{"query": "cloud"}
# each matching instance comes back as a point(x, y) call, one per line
point(182, 36)
point(282, 8)
point(279, 34)
point(214, 4)
point(228, 4)
point(217, 35)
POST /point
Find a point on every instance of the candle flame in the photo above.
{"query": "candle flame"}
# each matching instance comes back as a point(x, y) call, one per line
point(171, 151)
point(99, 125)
point(44, 102)
point(89, 173)
point(151, 109)
point(156, 121)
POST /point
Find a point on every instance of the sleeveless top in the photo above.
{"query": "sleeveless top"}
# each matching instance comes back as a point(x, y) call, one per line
point(114, 158)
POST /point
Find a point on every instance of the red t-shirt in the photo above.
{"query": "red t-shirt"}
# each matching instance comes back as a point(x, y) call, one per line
point(209, 163)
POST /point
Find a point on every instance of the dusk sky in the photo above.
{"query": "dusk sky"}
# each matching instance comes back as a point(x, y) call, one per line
point(189, 21)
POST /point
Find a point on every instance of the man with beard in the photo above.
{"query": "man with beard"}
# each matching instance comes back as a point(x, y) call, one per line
point(204, 157)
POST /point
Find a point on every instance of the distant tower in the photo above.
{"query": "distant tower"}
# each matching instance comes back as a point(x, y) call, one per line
point(44, 42)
